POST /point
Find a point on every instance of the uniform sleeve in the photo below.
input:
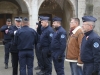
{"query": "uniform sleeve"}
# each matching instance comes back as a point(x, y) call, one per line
point(50, 35)
point(63, 38)
point(36, 38)
point(96, 53)
point(11, 31)
point(80, 36)
point(39, 29)
point(3, 28)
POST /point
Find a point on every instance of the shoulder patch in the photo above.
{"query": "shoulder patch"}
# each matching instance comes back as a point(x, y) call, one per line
point(96, 45)
point(51, 34)
point(62, 36)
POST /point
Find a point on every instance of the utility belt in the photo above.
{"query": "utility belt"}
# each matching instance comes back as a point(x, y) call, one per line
point(6, 41)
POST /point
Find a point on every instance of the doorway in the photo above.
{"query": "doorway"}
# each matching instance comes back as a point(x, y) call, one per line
point(3, 18)
point(60, 8)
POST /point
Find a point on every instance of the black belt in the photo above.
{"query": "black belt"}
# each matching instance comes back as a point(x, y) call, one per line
point(7, 40)
point(45, 46)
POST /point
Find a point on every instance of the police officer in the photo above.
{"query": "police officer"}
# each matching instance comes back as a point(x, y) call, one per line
point(7, 40)
point(90, 47)
point(13, 49)
point(45, 41)
point(58, 46)
point(26, 39)
point(39, 26)
point(37, 51)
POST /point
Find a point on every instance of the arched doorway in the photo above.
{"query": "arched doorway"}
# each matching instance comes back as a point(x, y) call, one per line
point(11, 9)
point(60, 8)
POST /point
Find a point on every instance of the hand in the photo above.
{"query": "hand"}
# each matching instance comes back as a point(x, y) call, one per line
point(6, 31)
point(36, 26)
point(59, 58)
point(95, 73)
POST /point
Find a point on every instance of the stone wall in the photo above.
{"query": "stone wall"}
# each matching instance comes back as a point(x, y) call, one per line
point(81, 9)
point(70, 8)
point(89, 8)
point(68, 14)
point(96, 13)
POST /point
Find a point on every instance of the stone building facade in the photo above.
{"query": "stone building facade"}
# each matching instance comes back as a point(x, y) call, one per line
point(62, 8)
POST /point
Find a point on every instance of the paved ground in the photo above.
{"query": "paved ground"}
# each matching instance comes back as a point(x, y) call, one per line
point(9, 70)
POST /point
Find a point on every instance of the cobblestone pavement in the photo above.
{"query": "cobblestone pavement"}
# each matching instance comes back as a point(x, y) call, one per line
point(8, 71)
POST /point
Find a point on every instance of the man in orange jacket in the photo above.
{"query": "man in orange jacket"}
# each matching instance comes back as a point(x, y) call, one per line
point(73, 47)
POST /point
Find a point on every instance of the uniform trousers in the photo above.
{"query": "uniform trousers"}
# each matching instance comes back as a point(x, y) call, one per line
point(58, 65)
point(15, 63)
point(26, 60)
point(88, 68)
point(7, 51)
point(47, 61)
point(38, 52)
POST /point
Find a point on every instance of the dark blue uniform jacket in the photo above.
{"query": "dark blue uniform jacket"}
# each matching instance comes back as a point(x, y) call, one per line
point(39, 28)
point(11, 32)
point(46, 37)
point(6, 36)
point(58, 44)
point(25, 38)
point(90, 49)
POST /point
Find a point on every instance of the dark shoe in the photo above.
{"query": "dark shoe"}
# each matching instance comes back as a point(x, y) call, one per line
point(40, 73)
point(37, 68)
point(6, 66)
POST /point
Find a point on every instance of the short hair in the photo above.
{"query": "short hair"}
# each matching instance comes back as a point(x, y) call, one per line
point(77, 20)
point(8, 20)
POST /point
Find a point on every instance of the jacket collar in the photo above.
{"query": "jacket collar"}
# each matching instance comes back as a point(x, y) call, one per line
point(17, 27)
point(87, 33)
point(58, 28)
point(43, 28)
point(25, 26)
point(74, 31)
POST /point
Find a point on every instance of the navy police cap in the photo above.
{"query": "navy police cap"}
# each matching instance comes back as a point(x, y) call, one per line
point(25, 19)
point(40, 16)
point(44, 18)
point(89, 18)
point(18, 19)
point(57, 19)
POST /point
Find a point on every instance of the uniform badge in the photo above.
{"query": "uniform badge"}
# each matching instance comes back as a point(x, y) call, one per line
point(96, 45)
point(62, 36)
point(50, 34)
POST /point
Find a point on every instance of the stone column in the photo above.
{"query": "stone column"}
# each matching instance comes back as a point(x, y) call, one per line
point(33, 13)
point(81, 9)
point(96, 13)
point(74, 7)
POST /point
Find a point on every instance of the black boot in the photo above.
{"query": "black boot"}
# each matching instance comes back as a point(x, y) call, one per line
point(6, 66)
point(40, 73)
point(37, 68)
